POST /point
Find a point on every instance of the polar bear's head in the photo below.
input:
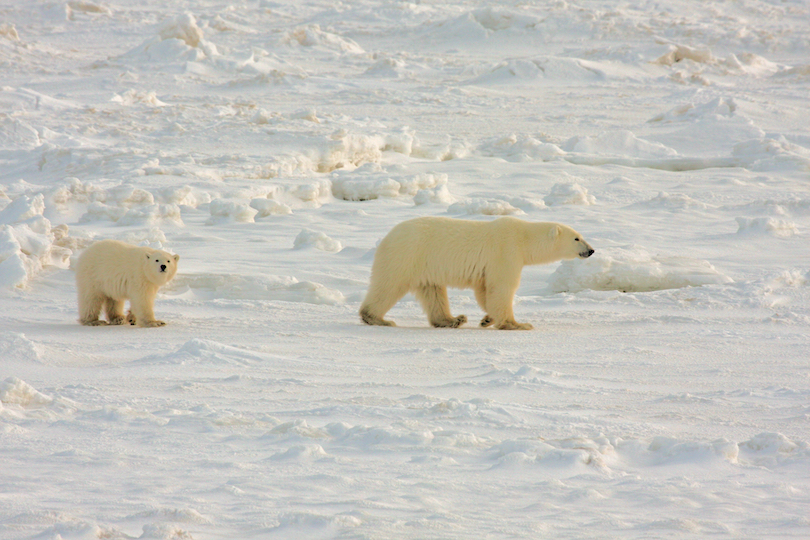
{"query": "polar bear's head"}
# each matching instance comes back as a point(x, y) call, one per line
point(570, 243)
point(160, 266)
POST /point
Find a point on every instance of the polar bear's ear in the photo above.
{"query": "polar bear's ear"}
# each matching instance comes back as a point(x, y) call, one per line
point(148, 255)
point(176, 258)
point(554, 232)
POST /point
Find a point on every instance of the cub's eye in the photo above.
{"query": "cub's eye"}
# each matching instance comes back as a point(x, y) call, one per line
point(576, 239)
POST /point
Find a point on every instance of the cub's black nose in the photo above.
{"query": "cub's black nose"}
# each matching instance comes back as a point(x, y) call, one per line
point(162, 267)
point(591, 252)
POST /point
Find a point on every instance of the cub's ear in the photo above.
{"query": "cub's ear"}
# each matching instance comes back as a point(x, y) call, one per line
point(176, 258)
point(148, 255)
point(554, 232)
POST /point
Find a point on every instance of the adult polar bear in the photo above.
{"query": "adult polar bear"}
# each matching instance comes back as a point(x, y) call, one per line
point(110, 272)
point(428, 254)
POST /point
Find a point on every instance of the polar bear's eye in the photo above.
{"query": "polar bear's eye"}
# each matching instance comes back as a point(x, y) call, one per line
point(576, 239)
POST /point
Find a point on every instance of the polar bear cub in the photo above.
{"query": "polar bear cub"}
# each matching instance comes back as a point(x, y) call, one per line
point(428, 254)
point(110, 272)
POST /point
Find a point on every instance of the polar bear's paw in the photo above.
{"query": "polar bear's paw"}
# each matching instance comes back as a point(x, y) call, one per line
point(118, 319)
point(94, 322)
point(513, 325)
point(151, 324)
point(486, 321)
point(374, 320)
point(131, 318)
point(453, 322)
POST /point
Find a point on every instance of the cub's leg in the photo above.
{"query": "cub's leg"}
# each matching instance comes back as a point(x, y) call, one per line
point(500, 297)
point(378, 302)
point(437, 306)
point(90, 305)
point(114, 310)
point(481, 298)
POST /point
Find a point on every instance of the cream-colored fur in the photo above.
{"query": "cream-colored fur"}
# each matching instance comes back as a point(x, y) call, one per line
point(110, 272)
point(428, 254)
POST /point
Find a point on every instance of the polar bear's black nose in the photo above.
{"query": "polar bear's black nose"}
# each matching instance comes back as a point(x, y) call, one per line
point(162, 267)
point(587, 254)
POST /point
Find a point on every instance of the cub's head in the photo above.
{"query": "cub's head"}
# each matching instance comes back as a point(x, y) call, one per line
point(160, 266)
point(570, 243)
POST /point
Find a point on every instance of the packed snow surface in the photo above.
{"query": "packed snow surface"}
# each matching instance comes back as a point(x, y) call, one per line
point(665, 390)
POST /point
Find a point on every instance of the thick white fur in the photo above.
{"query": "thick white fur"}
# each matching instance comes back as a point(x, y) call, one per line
point(428, 254)
point(110, 272)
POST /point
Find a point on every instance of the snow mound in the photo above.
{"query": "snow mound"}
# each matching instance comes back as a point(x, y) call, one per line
point(317, 240)
point(15, 346)
point(269, 207)
point(197, 351)
point(633, 270)
point(520, 149)
point(28, 243)
point(545, 70)
point(178, 40)
point(183, 27)
point(313, 36)
point(674, 201)
point(301, 453)
point(145, 215)
point(350, 150)
point(205, 287)
point(226, 211)
point(13, 391)
point(619, 143)
point(364, 188)
point(388, 68)
point(717, 108)
point(16, 134)
point(678, 53)
point(439, 195)
point(134, 97)
point(772, 154)
point(766, 225)
point(486, 207)
point(568, 194)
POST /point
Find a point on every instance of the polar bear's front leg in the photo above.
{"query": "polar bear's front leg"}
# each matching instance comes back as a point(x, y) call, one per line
point(499, 299)
point(143, 312)
point(437, 306)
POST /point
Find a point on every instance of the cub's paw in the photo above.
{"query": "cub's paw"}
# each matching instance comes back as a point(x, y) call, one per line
point(95, 322)
point(486, 321)
point(152, 324)
point(115, 321)
point(131, 318)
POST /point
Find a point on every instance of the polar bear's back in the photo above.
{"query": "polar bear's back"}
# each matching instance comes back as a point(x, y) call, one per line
point(443, 250)
point(111, 267)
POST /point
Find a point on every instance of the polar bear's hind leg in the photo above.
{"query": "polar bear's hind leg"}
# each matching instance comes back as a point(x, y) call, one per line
point(481, 298)
point(90, 308)
point(114, 310)
point(437, 306)
point(378, 301)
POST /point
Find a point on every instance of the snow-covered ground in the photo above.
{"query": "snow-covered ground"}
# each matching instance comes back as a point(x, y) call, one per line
point(665, 390)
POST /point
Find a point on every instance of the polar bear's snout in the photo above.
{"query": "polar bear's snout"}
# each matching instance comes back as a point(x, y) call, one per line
point(586, 250)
